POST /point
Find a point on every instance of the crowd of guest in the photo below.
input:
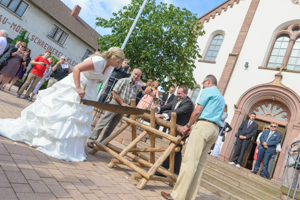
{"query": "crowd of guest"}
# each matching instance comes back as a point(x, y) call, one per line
point(16, 61)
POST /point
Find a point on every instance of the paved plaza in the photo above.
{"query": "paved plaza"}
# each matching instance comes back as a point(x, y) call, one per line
point(27, 174)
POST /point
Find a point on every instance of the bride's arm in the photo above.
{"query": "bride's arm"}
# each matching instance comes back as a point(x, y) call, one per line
point(81, 67)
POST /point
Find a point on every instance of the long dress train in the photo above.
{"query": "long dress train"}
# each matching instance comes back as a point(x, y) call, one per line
point(56, 123)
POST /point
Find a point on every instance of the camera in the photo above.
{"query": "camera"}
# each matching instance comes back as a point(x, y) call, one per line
point(44, 64)
point(151, 89)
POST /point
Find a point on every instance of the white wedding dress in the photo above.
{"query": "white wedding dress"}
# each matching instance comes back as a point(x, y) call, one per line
point(56, 123)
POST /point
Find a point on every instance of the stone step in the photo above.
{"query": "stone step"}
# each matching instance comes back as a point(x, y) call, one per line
point(227, 186)
point(245, 173)
point(257, 183)
point(241, 184)
point(218, 191)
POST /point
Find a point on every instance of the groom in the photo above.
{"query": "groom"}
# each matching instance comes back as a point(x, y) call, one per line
point(124, 90)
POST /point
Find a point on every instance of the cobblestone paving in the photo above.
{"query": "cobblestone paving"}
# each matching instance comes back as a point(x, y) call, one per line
point(27, 174)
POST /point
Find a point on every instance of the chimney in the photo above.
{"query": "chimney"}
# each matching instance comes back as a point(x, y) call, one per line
point(75, 12)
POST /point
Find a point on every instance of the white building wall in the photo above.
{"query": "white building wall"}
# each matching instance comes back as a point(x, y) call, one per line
point(271, 15)
point(38, 24)
point(228, 23)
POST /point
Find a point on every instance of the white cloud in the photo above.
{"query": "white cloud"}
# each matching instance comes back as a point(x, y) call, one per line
point(90, 9)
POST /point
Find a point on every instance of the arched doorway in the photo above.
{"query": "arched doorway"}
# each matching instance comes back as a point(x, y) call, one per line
point(287, 104)
point(266, 111)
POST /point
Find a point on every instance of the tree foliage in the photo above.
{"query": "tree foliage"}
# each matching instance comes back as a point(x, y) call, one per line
point(21, 37)
point(163, 44)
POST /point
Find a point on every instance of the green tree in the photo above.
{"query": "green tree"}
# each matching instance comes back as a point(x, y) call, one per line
point(21, 37)
point(163, 44)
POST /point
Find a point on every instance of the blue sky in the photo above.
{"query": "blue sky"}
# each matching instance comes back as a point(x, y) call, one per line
point(90, 9)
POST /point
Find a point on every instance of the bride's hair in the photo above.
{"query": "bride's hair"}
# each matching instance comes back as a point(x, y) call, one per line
point(115, 53)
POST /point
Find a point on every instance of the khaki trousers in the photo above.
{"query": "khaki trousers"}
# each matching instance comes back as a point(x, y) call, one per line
point(51, 82)
point(202, 137)
point(31, 77)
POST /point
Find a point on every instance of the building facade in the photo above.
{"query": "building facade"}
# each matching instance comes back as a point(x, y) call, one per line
point(253, 48)
point(51, 25)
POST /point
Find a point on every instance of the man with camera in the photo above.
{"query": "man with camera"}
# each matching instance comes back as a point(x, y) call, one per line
point(117, 74)
point(40, 64)
point(59, 71)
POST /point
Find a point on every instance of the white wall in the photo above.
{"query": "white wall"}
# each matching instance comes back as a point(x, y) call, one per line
point(229, 23)
point(38, 25)
point(270, 16)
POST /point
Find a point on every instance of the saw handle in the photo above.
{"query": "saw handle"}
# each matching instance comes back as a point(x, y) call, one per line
point(84, 86)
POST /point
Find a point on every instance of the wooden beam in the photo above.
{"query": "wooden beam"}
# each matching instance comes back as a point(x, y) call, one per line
point(152, 135)
point(123, 160)
point(153, 178)
point(133, 117)
point(111, 137)
point(160, 122)
point(157, 149)
point(145, 163)
point(130, 146)
point(172, 154)
point(156, 165)
point(153, 130)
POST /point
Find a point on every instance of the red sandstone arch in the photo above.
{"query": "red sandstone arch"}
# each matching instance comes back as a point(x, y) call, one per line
point(265, 92)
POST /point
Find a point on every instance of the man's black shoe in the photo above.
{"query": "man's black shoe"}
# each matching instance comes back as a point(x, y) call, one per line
point(253, 172)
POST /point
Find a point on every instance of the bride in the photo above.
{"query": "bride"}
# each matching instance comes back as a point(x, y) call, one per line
point(56, 123)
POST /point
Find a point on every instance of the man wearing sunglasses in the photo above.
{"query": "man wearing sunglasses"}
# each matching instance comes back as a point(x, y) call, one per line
point(267, 148)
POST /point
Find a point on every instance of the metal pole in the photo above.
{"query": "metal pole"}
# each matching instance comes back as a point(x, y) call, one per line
point(125, 42)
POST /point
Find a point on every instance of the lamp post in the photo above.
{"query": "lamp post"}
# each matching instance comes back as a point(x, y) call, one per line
point(124, 43)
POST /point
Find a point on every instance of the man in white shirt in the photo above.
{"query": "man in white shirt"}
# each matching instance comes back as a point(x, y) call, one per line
point(3, 41)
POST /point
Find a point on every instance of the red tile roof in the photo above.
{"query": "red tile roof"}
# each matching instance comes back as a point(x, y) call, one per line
point(59, 11)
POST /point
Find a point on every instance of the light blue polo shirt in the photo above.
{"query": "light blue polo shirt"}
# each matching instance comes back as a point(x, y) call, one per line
point(214, 103)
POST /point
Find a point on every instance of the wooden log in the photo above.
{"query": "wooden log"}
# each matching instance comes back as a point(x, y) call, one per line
point(130, 146)
point(160, 122)
point(153, 178)
point(172, 154)
point(133, 117)
point(157, 164)
point(152, 135)
point(119, 150)
point(123, 160)
point(111, 137)
point(153, 130)
point(145, 163)
point(157, 149)
point(117, 162)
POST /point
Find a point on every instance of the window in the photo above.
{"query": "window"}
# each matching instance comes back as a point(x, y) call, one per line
point(17, 6)
point(58, 35)
point(272, 109)
point(195, 93)
point(286, 49)
point(294, 60)
point(278, 51)
point(87, 53)
point(214, 48)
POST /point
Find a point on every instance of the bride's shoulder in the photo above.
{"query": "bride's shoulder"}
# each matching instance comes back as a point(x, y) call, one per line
point(98, 62)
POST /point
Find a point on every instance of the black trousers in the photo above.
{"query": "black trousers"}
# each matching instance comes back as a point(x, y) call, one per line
point(239, 150)
point(177, 160)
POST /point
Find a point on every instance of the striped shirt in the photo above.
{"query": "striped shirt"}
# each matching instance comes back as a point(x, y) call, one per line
point(126, 89)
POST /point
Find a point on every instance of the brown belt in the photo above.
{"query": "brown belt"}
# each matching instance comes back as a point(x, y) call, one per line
point(208, 121)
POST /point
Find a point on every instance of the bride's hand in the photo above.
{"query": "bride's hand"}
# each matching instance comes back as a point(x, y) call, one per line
point(80, 92)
